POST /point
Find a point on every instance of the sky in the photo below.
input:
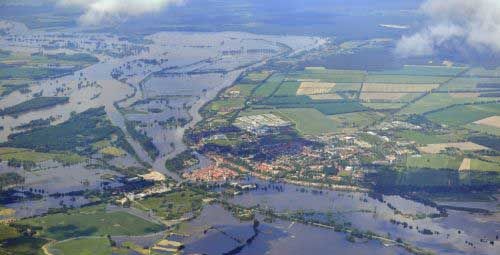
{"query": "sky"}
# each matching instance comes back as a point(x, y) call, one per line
point(455, 23)
point(98, 11)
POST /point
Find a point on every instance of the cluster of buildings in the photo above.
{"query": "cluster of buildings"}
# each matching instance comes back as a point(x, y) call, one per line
point(262, 124)
point(157, 189)
point(396, 124)
point(212, 173)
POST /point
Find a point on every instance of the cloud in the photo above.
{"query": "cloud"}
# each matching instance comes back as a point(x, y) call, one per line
point(103, 11)
point(475, 22)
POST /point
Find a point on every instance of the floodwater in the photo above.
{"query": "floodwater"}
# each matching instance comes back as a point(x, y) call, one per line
point(367, 213)
point(189, 70)
point(52, 177)
point(216, 231)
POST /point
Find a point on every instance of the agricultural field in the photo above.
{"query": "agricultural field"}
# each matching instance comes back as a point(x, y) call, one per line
point(314, 88)
point(255, 77)
point(428, 138)
point(226, 105)
point(434, 161)
point(326, 106)
point(288, 88)
point(331, 96)
point(421, 70)
point(493, 121)
point(436, 101)
point(328, 75)
point(402, 79)
point(240, 90)
point(309, 121)
point(435, 148)
point(384, 106)
point(388, 97)
point(356, 119)
point(267, 88)
point(91, 221)
point(484, 129)
point(394, 87)
point(480, 165)
point(339, 107)
point(463, 114)
point(482, 72)
point(468, 84)
point(339, 87)
point(82, 246)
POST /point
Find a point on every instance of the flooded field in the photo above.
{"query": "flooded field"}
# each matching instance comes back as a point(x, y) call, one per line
point(449, 234)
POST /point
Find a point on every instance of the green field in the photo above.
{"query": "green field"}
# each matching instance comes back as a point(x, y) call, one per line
point(480, 165)
point(356, 119)
point(464, 114)
point(7, 232)
point(482, 72)
point(434, 161)
point(91, 221)
point(172, 205)
point(82, 246)
point(384, 106)
point(227, 104)
point(255, 77)
point(437, 101)
point(309, 121)
point(245, 90)
point(339, 107)
point(426, 138)
point(346, 87)
point(24, 155)
point(34, 66)
point(484, 129)
point(268, 87)
point(469, 84)
point(423, 71)
point(288, 88)
point(329, 75)
point(399, 79)
point(23, 246)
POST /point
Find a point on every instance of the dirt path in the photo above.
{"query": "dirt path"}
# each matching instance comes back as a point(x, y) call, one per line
point(465, 166)
point(45, 248)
